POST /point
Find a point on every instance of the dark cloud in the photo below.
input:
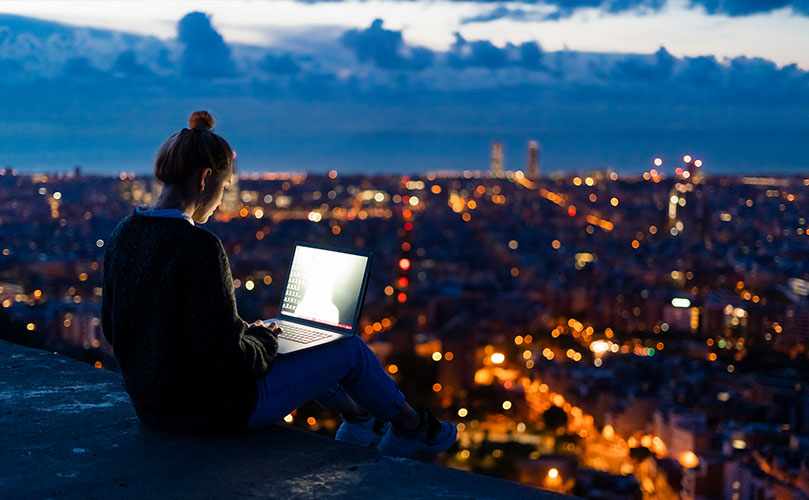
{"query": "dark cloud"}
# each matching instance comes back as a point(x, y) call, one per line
point(568, 7)
point(504, 12)
point(386, 48)
point(284, 64)
point(531, 55)
point(80, 67)
point(658, 66)
point(484, 54)
point(749, 7)
point(9, 67)
point(702, 71)
point(205, 54)
point(481, 53)
point(127, 64)
point(565, 8)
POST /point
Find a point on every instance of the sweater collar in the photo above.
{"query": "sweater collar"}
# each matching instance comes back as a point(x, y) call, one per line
point(171, 213)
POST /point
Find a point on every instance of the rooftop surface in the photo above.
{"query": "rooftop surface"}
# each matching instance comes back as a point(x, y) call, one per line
point(68, 430)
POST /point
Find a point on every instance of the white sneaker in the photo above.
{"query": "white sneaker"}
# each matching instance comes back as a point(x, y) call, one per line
point(432, 436)
point(363, 432)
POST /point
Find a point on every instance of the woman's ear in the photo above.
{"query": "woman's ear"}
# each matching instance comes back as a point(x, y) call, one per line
point(204, 178)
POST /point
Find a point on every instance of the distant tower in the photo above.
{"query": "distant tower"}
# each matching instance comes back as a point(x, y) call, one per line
point(497, 159)
point(77, 171)
point(532, 172)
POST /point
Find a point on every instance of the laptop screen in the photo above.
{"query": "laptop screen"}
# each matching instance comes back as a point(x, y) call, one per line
point(324, 286)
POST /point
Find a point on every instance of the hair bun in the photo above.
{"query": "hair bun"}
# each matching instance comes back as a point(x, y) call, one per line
point(200, 120)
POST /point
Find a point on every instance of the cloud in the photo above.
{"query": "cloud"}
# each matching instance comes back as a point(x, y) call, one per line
point(386, 48)
point(79, 67)
point(484, 54)
point(656, 67)
point(205, 54)
point(566, 8)
point(284, 64)
point(127, 64)
point(503, 12)
point(531, 55)
point(735, 8)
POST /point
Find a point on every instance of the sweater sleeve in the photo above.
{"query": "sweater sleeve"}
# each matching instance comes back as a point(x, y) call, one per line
point(220, 337)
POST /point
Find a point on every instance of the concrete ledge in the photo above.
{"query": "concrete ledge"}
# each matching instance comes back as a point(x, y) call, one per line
point(68, 430)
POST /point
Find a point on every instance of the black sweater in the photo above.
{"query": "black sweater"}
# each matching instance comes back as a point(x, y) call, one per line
point(189, 363)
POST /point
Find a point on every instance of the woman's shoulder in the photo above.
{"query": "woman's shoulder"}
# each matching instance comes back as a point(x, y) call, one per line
point(176, 231)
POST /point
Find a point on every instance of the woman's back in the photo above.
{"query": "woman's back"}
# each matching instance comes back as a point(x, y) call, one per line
point(168, 310)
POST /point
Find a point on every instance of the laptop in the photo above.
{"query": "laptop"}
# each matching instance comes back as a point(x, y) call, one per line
point(323, 296)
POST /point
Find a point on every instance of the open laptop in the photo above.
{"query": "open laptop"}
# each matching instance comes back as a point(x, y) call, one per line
point(323, 296)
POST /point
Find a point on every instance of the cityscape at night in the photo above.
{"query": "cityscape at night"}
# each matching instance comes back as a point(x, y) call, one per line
point(600, 335)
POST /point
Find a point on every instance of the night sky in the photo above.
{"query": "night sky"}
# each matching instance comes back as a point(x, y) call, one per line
point(409, 86)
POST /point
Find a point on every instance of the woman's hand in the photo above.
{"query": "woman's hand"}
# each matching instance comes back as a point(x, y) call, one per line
point(270, 325)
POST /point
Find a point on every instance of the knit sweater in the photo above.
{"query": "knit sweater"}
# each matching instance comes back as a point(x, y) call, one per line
point(188, 361)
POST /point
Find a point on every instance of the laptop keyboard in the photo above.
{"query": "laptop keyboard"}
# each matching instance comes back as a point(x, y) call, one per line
point(300, 334)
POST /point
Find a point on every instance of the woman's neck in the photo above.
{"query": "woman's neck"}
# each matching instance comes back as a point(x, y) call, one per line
point(172, 198)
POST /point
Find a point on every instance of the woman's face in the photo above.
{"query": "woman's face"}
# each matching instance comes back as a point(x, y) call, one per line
point(211, 196)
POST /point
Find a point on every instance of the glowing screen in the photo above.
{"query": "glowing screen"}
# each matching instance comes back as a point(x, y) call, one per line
point(324, 286)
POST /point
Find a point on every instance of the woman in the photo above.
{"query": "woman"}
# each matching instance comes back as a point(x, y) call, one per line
point(190, 363)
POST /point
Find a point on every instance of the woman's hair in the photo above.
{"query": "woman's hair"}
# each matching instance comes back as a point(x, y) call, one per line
point(193, 149)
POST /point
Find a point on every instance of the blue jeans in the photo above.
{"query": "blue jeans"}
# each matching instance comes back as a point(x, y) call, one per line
point(326, 374)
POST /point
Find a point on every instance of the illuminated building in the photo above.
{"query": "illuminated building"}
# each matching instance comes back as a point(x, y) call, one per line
point(532, 169)
point(497, 159)
point(796, 326)
point(134, 190)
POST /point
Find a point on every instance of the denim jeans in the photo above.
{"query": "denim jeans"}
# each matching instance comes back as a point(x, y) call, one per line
point(327, 373)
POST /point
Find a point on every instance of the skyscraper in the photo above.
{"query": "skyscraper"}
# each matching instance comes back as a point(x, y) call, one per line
point(497, 159)
point(532, 171)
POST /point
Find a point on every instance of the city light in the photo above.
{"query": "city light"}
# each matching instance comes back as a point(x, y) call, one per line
point(404, 264)
point(599, 346)
point(680, 302)
point(688, 459)
point(498, 358)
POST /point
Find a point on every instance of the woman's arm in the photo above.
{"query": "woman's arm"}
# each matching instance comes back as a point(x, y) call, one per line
point(221, 338)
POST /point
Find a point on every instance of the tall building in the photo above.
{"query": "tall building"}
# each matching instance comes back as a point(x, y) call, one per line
point(497, 159)
point(532, 171)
